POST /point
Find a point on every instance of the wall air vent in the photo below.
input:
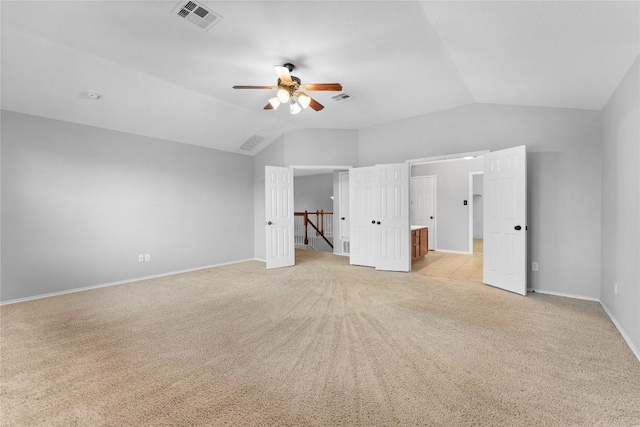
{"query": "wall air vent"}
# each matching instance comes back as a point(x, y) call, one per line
point(341, 97)
point(196, 14)
point(251, 143)
point(346, 247)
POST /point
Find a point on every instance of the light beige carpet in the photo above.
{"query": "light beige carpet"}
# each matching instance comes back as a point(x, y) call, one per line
point(322, 343)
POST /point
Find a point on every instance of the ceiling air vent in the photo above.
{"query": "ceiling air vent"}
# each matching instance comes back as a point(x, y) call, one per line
point(251, 143)
point(341, 97)
point(196, 14)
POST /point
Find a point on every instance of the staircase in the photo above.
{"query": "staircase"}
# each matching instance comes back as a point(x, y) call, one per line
point(314, 230)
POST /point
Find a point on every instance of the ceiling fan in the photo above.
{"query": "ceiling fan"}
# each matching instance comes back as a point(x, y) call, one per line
point(290, 91)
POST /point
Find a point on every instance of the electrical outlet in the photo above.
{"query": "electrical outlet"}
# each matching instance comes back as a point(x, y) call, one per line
point(615, 288)
point(534, 266)
point(147, 257)
point(140, 258)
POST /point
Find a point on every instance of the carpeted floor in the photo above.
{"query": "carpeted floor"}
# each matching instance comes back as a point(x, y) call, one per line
point(321, 343)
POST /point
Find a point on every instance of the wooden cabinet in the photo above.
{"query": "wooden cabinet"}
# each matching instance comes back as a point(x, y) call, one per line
point(419, 242)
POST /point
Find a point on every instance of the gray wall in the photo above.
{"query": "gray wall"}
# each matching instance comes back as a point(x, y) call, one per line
point(80, 203)
point(313, 192)
point(621, 206)
point(321, 147)
point(452, 188)
point(564, 177)
point(309, 147)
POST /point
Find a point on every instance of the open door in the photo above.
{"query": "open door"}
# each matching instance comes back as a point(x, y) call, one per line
point(279, 217)
point(380, 231)
point(393, 249)
point(362, 228)
point(422, 199)
point(505, 219)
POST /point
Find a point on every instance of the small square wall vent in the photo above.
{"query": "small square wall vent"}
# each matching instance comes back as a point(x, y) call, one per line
point(197, 14)
point(252, 142)
point(341, 97)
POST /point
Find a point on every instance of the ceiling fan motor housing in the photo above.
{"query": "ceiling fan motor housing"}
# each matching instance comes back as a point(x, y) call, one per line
point(290, 87)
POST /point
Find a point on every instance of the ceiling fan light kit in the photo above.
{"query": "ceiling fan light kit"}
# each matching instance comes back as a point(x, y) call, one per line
point(295, 107)
point(283, 96)
point(289, 90)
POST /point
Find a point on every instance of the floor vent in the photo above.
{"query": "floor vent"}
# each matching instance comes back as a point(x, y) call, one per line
point(341, 97)
point(346, 247)
point(196, 14)
point(251, 143)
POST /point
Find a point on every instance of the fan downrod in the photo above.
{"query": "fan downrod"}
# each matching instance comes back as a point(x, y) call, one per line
point(289, 66)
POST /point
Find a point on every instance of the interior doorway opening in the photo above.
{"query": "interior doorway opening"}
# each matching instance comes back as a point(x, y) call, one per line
point(319, 209)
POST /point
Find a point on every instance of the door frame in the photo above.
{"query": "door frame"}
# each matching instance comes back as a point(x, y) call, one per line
point(471, 208)
point(333, 169)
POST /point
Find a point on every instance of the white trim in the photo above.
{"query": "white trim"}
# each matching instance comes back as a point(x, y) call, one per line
point(453, 252)
point(258, 259)
point(340, 168)
point(622, 332)
point(561, 294)
point(626, 337)
point(447, 157)
point(120, 282)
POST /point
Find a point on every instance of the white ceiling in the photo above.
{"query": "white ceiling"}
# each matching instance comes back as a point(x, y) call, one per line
point(164, 77)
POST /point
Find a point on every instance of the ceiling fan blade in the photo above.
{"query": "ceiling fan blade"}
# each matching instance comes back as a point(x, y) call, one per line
point(256, 87)
point(268, 106)
point(283, 73)
point(322, 86)
point(316, 105)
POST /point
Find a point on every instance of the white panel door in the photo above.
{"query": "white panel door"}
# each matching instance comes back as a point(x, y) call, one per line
point(505, 219)
point(393, 248)
point(279, 217)
point(343, 190)
point(363, 210)
point(423, 204)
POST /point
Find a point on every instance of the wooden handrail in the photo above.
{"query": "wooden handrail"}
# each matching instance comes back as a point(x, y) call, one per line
point(319, 219)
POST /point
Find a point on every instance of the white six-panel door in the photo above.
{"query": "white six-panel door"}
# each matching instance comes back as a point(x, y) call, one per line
point(380, 231)
point(363, 210)
point(279, 226)
point(505, 219)
point(393, 249)
point(423, 204)
point(343, 194)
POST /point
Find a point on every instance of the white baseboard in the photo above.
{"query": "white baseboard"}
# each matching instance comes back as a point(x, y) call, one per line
point(259, 259)
point(451, 252)
point(561, 294)
point(622, 332)
point(626, 337)
point(120, 282)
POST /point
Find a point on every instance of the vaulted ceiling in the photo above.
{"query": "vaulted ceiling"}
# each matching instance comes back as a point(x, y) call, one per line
point(160, 75)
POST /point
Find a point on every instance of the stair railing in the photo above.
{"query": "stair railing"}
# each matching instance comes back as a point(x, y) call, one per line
point(319, 228)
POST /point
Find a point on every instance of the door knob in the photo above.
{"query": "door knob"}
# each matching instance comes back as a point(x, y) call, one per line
point(269, 223)
point(373, 222)
point(431, 217)
point(517, 227)
point(378, 222)
point(342, 218)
